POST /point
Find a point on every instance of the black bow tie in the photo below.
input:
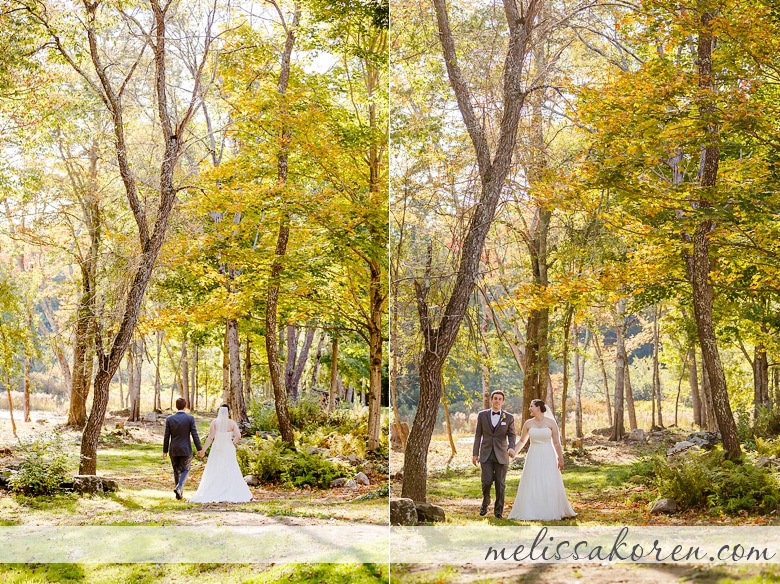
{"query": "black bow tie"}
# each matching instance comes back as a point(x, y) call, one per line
point(496, 413)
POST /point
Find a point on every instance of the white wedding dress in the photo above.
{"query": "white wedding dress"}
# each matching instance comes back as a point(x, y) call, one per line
point(541, 495)
point(222, 480)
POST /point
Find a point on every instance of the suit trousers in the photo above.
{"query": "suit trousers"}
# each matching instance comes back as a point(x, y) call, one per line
point(181, 468)
point(493, 472)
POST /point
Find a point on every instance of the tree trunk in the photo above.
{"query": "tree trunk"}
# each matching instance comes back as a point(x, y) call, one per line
point(632, 425)
point(272, 297)
point(247, 373)
point(121, 386)
point(448, 425)
point(485, 366)
point(317, 360)
point(693, 378)
point(56, 344)
point(618, 428)
point(334, 374)
point(10, 403)
point(537, 364)
point(439, 338)
point(296, 361)
point(597, 346)
point(579, 375)
point(26, 386)
point(656, 368)
point(565, 358)
point(157, 378)
point(77, 411)
point(135, 361)
point(708, 413)
point(760, 379)
point(699, 260)
point(226, 367)
point(236, 396)
point(185, 372)
point(377, 299)
point(195, 384)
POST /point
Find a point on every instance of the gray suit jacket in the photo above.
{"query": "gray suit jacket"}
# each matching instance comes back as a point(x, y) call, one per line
point(498, 440)
point(178, 429)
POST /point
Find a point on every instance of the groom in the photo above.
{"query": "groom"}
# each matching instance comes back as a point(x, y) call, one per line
point(178, 429)
point(494, 428)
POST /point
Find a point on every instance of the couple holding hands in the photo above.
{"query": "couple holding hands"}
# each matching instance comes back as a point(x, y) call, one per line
point(222, 479)
point(541, 495)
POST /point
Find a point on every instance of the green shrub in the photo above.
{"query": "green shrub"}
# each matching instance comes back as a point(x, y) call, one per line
point(745, 487)
point(686, 478)
point(271, 461)
point(768, 447)
point(43, 468)
point(707, 479)
point(767, 423)
point(262, 416)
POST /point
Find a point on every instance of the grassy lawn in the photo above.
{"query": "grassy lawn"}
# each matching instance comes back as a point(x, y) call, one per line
point(145, 495)
point(603, 484)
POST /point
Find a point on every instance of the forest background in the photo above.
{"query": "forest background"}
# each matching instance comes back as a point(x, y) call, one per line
point(584, 210)
point(194, 203)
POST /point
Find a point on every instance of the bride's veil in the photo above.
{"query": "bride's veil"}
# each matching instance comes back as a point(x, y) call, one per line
point(222, 420)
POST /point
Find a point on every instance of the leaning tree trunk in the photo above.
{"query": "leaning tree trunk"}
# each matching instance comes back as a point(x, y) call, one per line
point(439, 338)
point(699, 259)
point(150, 244)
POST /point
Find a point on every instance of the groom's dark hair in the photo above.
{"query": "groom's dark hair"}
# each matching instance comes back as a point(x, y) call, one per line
point(539, 404)
point(181, 403)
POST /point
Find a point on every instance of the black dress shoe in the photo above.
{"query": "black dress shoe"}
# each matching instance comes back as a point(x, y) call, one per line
point(483, 511)
point(499, 516)
point(177, 492)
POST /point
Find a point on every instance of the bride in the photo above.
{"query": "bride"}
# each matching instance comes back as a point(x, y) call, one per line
point(541, 495)
point(222, 479)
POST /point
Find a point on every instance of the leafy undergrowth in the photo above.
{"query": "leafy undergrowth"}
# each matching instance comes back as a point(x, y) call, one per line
point(192, 573)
